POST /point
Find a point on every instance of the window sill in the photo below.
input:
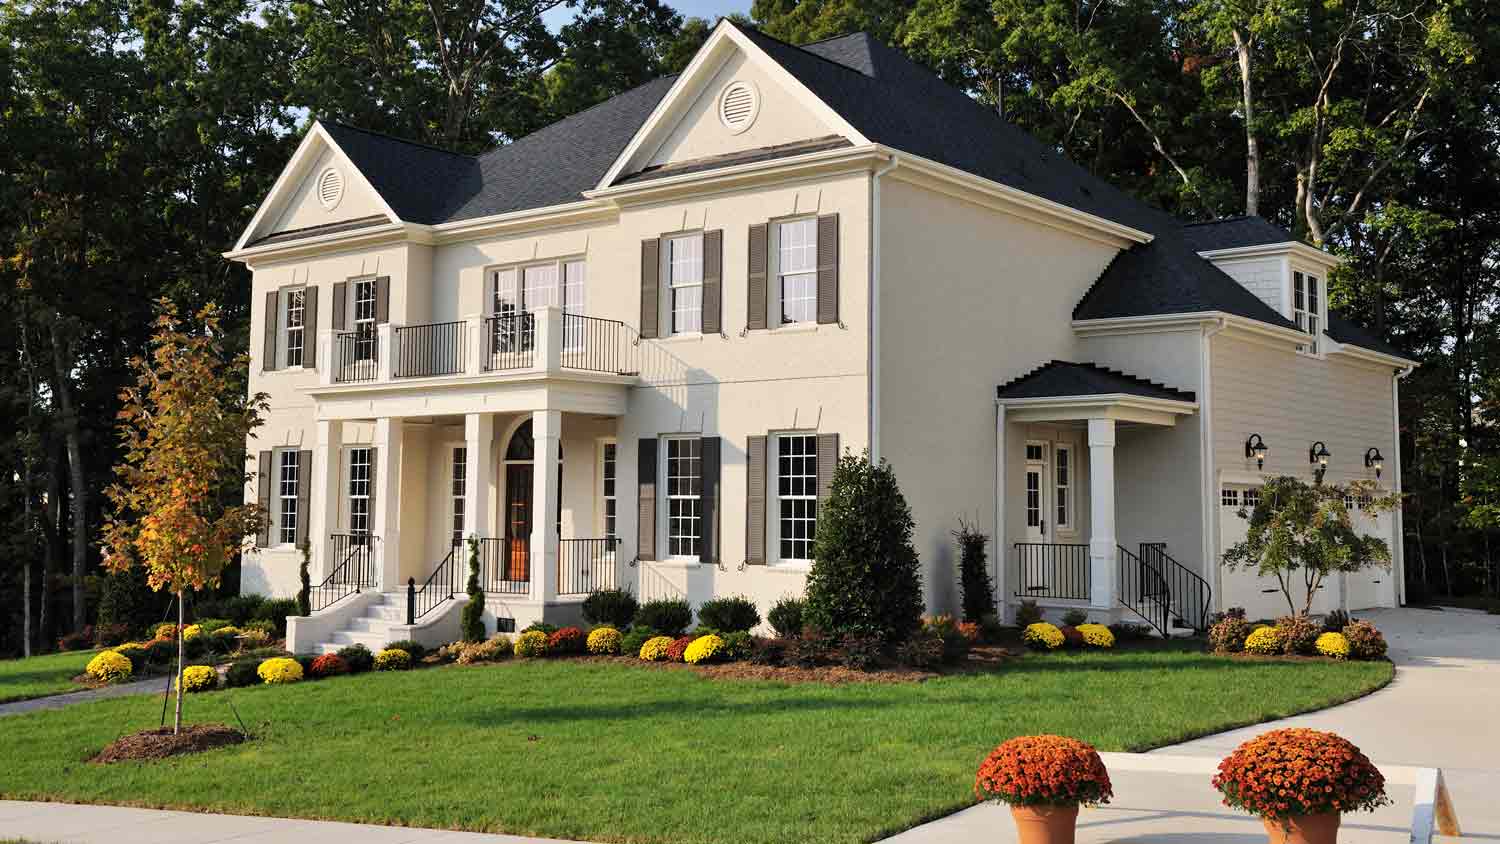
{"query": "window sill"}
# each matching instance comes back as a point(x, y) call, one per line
point(677, 563)
point(796, 328)
point(696, 337)
point(790, 567)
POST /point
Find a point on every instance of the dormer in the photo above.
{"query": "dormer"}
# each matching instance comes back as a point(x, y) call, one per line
point(1288, 275)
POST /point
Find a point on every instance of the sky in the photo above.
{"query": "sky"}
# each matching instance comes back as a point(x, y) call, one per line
point(709, 10)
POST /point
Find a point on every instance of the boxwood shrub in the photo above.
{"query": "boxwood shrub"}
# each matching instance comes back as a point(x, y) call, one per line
point(786, 617)
point(613, 607)
point(669, 616)
point(358, 658)
point(733, 614)
point(242, 672)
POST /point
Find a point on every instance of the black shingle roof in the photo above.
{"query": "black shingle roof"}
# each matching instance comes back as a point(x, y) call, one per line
point(1234, 231)
point(1344, 331)
point(1060, 378)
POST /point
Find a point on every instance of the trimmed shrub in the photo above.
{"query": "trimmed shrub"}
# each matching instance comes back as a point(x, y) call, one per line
point(161, 651)
point(240, 608)
point(260, 624)
point(136, 654)
point(1027, 614)
point(109, 635)
point(357, 657)
point(1097, 635)
point(704, 649)
point(471, 617)
point(655, 649)
point(279, 670)
point(1072, 638)
point(814, 647)
point(956, 643)
point(165, 630)
point(126, 599)
point(276, 611)
point(1299, 634)
point(768, 651)
point(1365, 642)
point(1265, 640)
point(604, 641)
point(1227, 635)
point(306, 661)
point(1332, 645)
point(734, 614)
point(79, 641)
point(413, 649)
point(242, 672)
point(1042, 636)
point(252, 639)
point(199, 678)
point(1125, 632)
point(531, 644)
point(610, 607)
point(923, 650)
point(862, 651)
point(977, 593)
point(630, 645)
point(1075, 617)
point(737, 646)
point(329, 665)
point(865, 574)
point(304, 592)
point(494, 649)
point(392, 659)
point(566, 642)
point(541, 627)
point(786, 617)
point(109, 667)
point(224, 639)
point(669, 616)
point(1336, 621)
point(678, 648)
point(213, 625)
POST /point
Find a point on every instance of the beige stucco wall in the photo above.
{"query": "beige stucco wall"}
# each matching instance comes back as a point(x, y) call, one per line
point(302, 208)
point(970, 298)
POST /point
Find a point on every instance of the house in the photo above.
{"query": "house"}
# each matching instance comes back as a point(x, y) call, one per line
point(627, 350)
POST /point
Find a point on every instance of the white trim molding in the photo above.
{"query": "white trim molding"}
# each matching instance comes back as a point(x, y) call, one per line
point(1122, 407)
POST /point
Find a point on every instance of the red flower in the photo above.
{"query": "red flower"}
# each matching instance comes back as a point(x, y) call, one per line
point(1315, 772)
point(1044, 770)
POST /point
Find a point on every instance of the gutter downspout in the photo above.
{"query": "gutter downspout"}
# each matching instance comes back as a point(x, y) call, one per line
point(1398, 548)
point(874, 309)
point(1001, 546)
point(1206, 459)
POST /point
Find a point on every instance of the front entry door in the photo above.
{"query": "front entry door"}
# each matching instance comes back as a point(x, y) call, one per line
point(518, 520)
point(1036, 492)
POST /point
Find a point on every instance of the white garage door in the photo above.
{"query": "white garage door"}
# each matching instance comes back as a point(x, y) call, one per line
point(1260, 596)
point(1374, 587)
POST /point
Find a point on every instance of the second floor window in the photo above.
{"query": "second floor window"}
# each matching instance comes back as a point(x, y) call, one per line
point(797, 270)
point(1307, 308)
point(364, 319)
point(685, 282)
point(296, 332)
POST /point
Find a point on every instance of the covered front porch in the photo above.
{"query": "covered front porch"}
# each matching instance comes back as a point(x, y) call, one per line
point(1090, 471)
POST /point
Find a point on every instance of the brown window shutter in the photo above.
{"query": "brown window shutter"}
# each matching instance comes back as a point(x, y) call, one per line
point(759, 246)
point(713, 281)
point(273, 324)
point(650, 288)
point(374, 464)
point(645, 542)
point(828, 269)
point(310, 328)
point(304, 488)
point(828, 460)
point(340, 306)
point(709, 463)
point(263, 498)
point(383, 296)
point(755, 501)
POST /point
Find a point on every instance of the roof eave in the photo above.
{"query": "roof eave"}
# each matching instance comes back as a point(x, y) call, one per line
point(1268, 250)
point(844, 158)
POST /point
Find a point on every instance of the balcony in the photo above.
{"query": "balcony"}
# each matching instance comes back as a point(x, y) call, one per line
point(542, 343)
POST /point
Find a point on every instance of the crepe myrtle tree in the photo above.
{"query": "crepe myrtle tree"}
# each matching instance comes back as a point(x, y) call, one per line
point(182, 426)
point(1302, 533)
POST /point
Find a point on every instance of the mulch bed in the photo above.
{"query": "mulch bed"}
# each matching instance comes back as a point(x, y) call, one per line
point(161, 743)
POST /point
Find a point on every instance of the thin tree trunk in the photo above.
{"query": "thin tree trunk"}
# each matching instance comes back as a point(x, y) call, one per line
point(62, 388)
point(1252, 143)
point(181, 651)
point(28, 459)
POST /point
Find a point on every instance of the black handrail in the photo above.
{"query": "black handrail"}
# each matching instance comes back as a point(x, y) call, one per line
point(505, 566)
point(509, 342)
point(356, 356)
point(1053, 570)
point(355, 570)
point(1143, 591)
point(1188, 597)
point(586, 565)
point(440, 586)
point(426, 350)
point(594, 344)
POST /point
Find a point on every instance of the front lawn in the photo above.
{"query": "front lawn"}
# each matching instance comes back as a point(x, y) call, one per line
point(41, 676)
point(615, 752)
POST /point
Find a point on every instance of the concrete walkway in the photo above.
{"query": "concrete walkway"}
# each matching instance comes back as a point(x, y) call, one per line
point(139, 687)
point(1442, 710)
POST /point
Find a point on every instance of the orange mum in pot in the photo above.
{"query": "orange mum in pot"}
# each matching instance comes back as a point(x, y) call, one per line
point(1044, 779)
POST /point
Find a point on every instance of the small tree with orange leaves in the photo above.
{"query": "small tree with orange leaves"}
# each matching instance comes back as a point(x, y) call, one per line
point(183, 426)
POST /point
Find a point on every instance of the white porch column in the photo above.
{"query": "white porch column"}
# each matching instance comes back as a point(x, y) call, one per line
point(479, 475)
point(385, 351)
point(477, 348)
point(549, 338)
point(324, 495)
point(1103, 547)
point(546, 428)
point(387, 516)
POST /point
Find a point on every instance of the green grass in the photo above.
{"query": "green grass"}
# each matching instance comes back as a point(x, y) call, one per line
point(615, 752)
point(41, 676)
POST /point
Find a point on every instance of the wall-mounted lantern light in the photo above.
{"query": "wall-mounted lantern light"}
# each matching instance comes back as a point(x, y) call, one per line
point(1374, 460)
point(1256, 447)
point(1318, 455)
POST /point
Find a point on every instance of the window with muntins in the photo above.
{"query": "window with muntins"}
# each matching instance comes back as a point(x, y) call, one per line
point(364, 319)
point(796, 495)
point(295, 335)
point(459, 491)
point(685, 282)
point(1307, 309)
point(1251, 498)
point(1064, 471)
point(607, 475)
point(1033, 499)
point(684, 497)
point(286, 521)
point(359, 491)
point(1229, 497)
point(797, 270)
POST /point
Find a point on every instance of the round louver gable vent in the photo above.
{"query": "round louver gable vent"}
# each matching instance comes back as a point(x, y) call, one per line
point(739, 103)
point(330, 188)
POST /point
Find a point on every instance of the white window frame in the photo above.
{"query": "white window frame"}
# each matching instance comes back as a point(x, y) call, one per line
point(1064, 516)
point(1229, 497)
point(286, 459)
point(1249, 497)
point(691, 280)
point(285, 299)
point(458, 491)
point(351, 496)
point(1310, 320)
point(667, 496)
point(508, 293)
point(608, 491)
point(809, 494)
point(779, 273)
point(364, 327)
point(1042, 464)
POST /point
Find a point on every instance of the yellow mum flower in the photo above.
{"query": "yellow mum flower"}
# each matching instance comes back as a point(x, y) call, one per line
point(199, 678)
point(655, 650)
point(1097, 635)
point(1042, 636)
point(279, 670)
point(605, 641)
point(1265, 640)
point(532, 643)
point(392, 659)
point(109, 667)
point(191, 632)
point(703, 649)
point(1335, 645)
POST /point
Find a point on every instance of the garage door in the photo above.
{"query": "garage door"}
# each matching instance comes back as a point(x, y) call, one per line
point(1260, 596)
point(1375, 587)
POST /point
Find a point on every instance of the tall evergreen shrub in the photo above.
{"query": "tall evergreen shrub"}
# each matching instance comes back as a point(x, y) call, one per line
point(472, 620)
point(304, 595)
point(978, 593)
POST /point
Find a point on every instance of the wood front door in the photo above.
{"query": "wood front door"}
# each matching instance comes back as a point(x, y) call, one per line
point(518, 520)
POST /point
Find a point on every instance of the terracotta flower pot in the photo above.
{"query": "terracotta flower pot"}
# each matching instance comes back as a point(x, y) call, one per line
point(1045, 824)
point(1304, 829)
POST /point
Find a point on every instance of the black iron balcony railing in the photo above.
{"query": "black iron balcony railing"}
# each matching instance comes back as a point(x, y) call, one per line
point(586, 565)
point(509, 342)
point(505, 566)
point(356, 356)
point(428, 350)
point(1050, 570)
point(594, 344)
point(354, 557)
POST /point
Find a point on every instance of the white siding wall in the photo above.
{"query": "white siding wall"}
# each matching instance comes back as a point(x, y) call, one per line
point(1265, 277)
